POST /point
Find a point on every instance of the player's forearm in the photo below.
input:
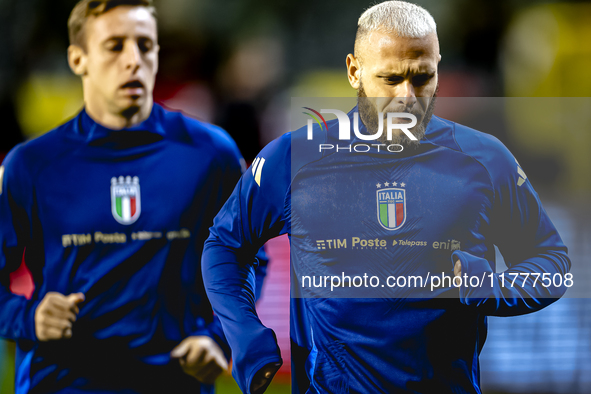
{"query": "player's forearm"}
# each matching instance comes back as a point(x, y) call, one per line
point(17, 316)
point(229, 283)
point(526, 287)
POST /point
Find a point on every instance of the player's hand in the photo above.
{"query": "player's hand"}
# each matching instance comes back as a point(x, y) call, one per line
point(263, 377)
point(55, 315)
point(201, 358)
point(458, 269)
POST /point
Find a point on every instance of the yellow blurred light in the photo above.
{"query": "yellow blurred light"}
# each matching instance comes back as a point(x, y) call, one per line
point(324, 83)
point(547, 52)
point(45, 101)
point(547, 55)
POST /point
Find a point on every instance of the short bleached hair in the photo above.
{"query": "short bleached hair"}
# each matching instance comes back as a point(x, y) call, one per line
point(395, 17)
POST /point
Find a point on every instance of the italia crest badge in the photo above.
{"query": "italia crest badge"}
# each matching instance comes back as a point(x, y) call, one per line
point(391, 204)
point(126, 199)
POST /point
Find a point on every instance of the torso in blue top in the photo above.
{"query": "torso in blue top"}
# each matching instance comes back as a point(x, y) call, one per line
point(454, 197)
point(120, 216)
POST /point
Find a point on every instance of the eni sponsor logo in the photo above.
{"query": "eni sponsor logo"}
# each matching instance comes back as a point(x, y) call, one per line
point(450, 244)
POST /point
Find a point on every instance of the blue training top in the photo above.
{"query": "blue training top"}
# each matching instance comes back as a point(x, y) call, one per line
point(392, 216)
point(120, 216)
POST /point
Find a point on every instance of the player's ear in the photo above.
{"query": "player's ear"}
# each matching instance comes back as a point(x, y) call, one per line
point(77, 60)
point(353, 71)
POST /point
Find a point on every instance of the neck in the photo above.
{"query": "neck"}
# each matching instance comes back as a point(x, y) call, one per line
point(121, 120)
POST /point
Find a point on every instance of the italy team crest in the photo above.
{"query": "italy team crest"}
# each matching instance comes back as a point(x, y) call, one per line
point(125, 199)
point(391, 208)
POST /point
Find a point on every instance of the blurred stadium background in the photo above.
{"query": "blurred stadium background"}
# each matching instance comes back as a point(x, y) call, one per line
point(237, 63)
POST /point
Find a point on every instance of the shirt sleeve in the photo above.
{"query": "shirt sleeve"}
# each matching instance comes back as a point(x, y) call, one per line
point(234, 168)
point(533, 251)
point(214, 330)
point(17, 314)
point(255, 212)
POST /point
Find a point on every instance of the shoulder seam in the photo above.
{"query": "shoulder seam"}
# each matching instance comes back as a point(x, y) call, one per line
point(473, 158)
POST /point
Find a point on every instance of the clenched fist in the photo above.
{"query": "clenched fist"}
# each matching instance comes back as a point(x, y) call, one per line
point(55, 315)
point(201, 358)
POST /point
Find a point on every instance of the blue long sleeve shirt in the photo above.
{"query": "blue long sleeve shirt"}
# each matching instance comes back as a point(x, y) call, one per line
point(120, 216)
point(354, 212)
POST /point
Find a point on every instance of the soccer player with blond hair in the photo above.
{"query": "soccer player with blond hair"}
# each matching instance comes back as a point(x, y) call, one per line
point(363, 213)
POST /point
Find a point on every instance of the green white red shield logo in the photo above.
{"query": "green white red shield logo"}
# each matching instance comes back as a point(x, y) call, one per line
point(125, 199)
point(391, 204)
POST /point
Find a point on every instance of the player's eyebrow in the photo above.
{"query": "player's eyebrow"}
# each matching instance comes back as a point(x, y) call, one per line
point(392, 74)
point(114, 38)
point(141, 37)
point(403, 71)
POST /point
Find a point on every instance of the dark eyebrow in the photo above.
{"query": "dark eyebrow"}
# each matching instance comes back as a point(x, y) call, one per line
point(388, 74)
point(144, 37)
point(123, 38)
point(113, 38)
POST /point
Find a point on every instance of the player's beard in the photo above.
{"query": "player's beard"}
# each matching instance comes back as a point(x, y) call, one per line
point(130, 111)
point(369, 116)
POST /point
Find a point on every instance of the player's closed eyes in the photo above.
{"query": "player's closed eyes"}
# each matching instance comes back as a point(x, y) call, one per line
point(418, 80)
point(145, 45)
point(421, 80)
point(393, 80)
point(114, 45)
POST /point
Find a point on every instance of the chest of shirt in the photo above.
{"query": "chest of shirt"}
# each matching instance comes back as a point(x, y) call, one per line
point(389, 216)
point(88, 198)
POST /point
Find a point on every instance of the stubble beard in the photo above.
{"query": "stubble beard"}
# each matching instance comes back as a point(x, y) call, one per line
point(369, 116)
point(135, 111)
point(130, 111)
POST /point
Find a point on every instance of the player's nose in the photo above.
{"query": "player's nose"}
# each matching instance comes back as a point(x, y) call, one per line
point(131, 56)
point(406, 94)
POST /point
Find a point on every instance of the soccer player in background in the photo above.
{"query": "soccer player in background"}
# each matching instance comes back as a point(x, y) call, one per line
point(111, 210)
point(449, 182)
